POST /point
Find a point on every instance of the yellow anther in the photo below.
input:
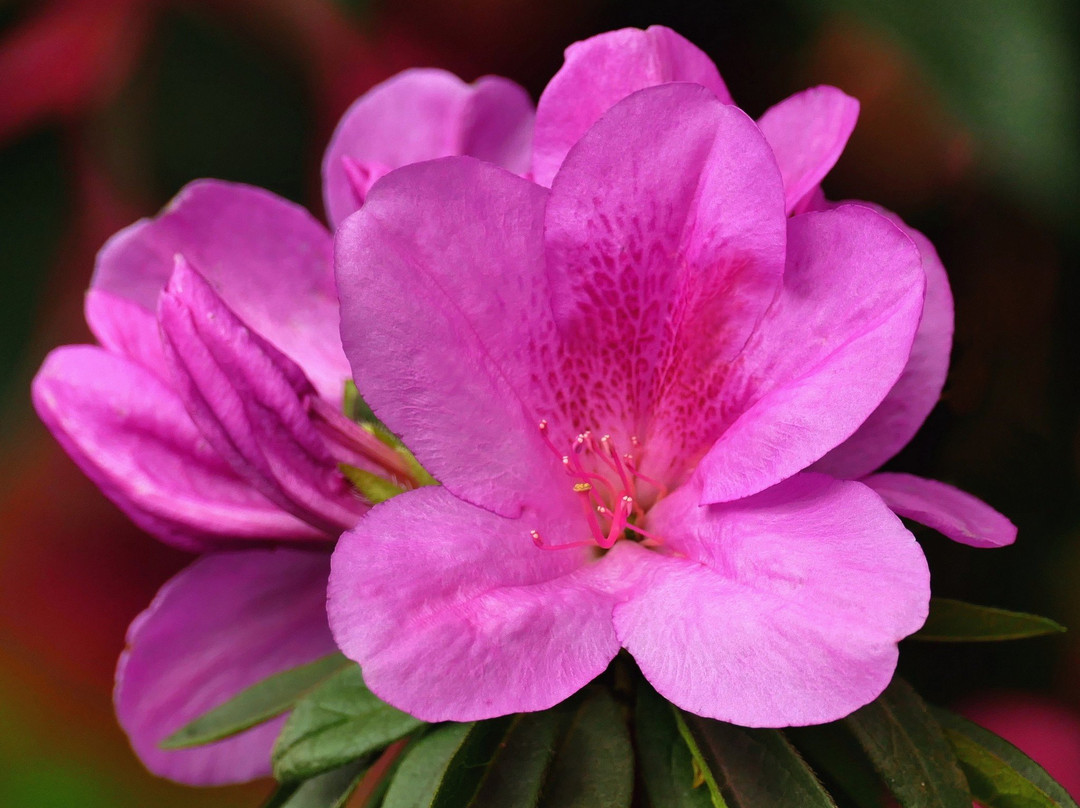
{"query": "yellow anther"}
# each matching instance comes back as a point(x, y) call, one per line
point(582, 488)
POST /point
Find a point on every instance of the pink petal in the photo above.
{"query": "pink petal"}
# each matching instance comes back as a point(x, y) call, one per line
point(422, 114)
point(899, 416)
point(270, 261)
point(665, 246)
point(131, 435)
point(454, 614)
point(829, 351)
point(124, 327)
point(780, 609)
point(946, 509)
point(250, 401)
point(443, 294)
point(226, 622)
point(601, 71)
point(808, 132)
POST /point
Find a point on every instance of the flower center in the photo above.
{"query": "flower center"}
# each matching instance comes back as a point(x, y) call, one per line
point(606, 483)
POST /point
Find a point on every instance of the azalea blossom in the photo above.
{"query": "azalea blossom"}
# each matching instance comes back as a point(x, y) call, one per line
point(642, 391)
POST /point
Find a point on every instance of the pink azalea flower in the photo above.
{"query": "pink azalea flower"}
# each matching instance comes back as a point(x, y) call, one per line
point(630, 387)
point(210, 413)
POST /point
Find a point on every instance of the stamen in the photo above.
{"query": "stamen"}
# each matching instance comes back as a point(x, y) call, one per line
point(609, 448)
point(539, 542)
point(575, 469)
point(585, 490)
point(618, 522)
point(597, 488)
point(659, 486)
point(653, 539)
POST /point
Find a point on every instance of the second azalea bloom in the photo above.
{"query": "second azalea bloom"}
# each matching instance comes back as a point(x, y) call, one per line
point(621, 383)
point(210, 413)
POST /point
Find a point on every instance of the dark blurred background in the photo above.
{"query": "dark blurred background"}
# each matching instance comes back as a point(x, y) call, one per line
point(969, 129)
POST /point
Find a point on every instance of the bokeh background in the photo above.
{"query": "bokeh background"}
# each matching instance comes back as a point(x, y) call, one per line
point(969, 129)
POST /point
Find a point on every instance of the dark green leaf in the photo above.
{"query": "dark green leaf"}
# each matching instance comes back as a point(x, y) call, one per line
point(956, 621)
point(372, 487)
point(908, 748)
point(470, 763)
point(754, 768)
point(340, 721)
point(1000, 775)
point(594, 761)
point(835, 755)
point(667, 765)
point(423, 766)
point(327, 790)
point(256, 704)
point(518, 770)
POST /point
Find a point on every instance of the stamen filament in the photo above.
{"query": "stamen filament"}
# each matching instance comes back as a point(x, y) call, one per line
point(659, 486)
point(585, 492)
point(539, 542)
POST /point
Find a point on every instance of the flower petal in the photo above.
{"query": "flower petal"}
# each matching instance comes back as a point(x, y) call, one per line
point(131, 435)
point(909, 402)
point(454, 614)
point(444, 298)
point(826, 355)
point(124, 327)
point(665, 246)
point(270, 261)
point(419, 115)
point(249, 400)
point(808, 132)
point(948, 510)
point(183, 659)
point(787, 607)
point(601, 71)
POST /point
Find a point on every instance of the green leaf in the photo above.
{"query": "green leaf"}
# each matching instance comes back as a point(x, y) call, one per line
point(754, 768)
point(340, 721)
point(908, 748)
point(262, 701)
point(327, 790)
point(594, 761)
point(1000, 775)
point(576, 754)
point(956, 621)
point(667, 764)
point(372, 487)
point(521, 762)
point(470, 763)
point(834, 754)
point(423, 766)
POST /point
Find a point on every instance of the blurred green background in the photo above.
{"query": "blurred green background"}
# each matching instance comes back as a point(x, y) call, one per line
point(969, 129)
